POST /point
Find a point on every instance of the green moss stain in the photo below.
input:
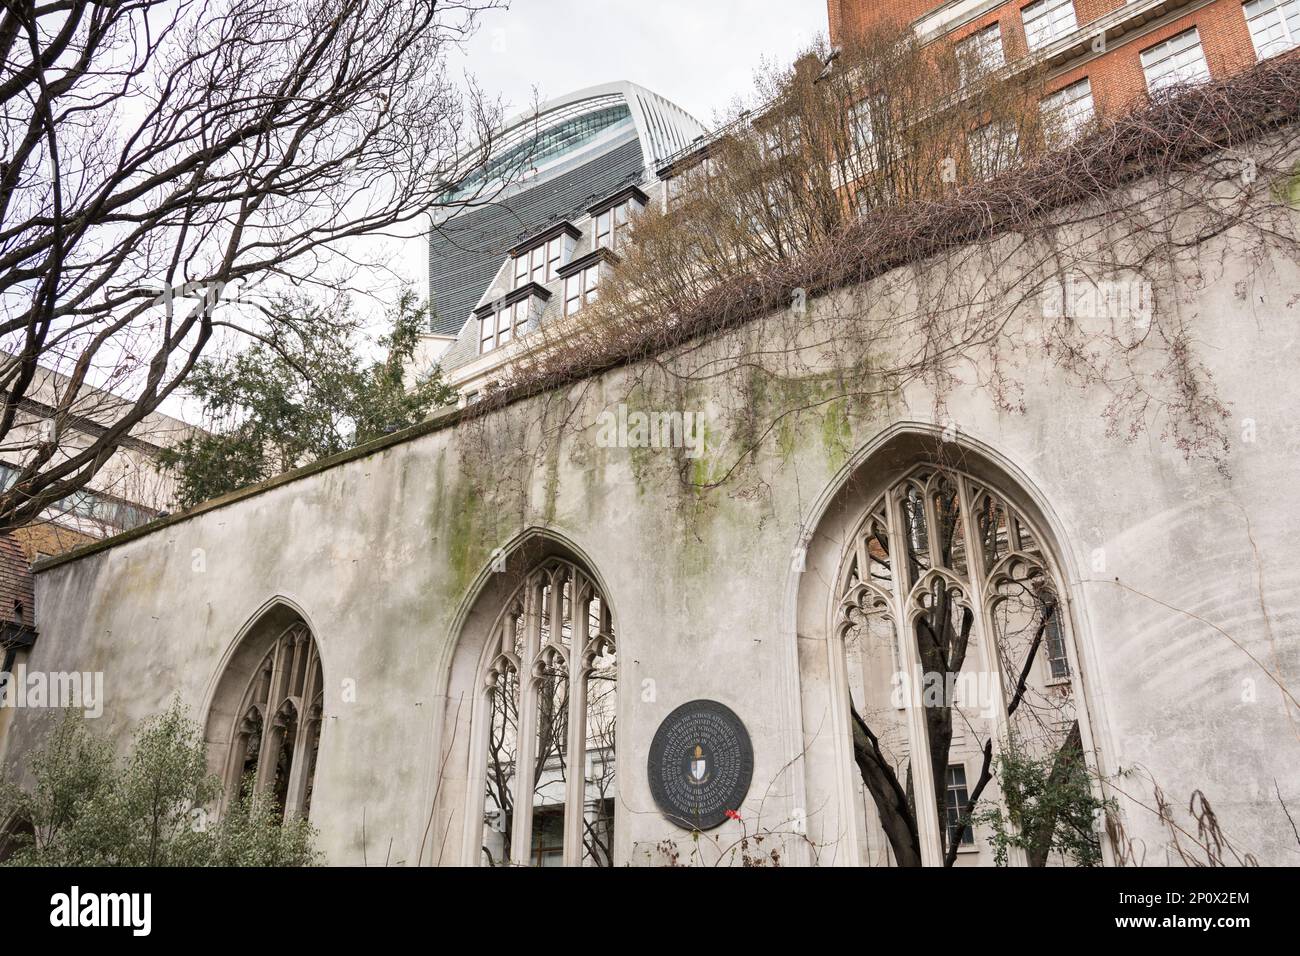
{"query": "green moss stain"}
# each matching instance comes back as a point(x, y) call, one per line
point(837, 433)
point(1287, 187)
point(551, 485)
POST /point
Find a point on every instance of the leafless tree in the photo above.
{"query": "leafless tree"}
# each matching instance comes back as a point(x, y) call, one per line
point(159, 158)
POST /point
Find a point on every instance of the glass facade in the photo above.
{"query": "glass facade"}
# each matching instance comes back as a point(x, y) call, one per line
point(544, 146)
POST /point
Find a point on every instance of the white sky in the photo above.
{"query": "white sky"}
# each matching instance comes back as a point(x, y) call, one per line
point(697, 53)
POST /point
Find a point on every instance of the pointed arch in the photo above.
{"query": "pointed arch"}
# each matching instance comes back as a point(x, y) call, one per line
point(532, 707)
point(265, 710)
point(930, 555)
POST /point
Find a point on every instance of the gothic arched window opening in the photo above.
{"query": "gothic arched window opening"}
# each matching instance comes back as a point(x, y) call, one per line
point(550, 690)
point(277, 725)
point(957, 658)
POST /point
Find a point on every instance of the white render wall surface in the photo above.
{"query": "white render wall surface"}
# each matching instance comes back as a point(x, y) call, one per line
point(1183, 583)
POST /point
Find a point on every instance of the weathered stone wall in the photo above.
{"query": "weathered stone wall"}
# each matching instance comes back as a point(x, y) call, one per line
point(1182, 571)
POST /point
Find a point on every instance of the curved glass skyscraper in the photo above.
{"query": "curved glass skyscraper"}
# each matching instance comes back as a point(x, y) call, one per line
point(547, 166)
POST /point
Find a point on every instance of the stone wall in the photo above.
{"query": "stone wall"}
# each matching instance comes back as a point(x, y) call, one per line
point(1181, 571)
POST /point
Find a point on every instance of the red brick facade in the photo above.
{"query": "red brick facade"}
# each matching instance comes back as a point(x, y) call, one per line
point(1116, 74)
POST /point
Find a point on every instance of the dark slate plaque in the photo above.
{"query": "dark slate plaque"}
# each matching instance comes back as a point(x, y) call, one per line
point(700, 765)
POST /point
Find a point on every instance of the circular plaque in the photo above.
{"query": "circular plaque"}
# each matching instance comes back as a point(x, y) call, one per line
point(701, 762)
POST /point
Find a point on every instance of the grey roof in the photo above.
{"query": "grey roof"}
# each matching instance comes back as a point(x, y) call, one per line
point(466, 252)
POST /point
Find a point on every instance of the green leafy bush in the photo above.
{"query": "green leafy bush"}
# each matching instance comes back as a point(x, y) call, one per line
point(84, 807)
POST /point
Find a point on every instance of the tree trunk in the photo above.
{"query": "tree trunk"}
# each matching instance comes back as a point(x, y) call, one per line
point(896, 817)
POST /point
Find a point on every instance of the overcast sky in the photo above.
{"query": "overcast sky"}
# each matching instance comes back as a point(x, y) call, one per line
point(698, 53)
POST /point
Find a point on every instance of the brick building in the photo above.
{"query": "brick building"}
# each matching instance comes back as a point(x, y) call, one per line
point(1099, 54)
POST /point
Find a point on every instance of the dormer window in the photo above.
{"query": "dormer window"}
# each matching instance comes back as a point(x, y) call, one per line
point(612, 218)
point(503, 321)
point(581, 288)
point(582, 279)
point(539, 259)
point(686, 179)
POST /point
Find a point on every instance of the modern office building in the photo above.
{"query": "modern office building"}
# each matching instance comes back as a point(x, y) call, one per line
point(557, 176)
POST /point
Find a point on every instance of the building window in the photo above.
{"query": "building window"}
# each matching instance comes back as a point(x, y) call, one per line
point(956, 807)
point(1048, 20)
point(1274, 25)
point(993, 149)
point(503, 324)
point(551, 687)
point(1058, 659)
point(99, 508)
point(540, 263)
point(861, 127)
point(697, 177)
point(581, 288)
point(277, 727)
point(1067, 112)
point(614, 225)
point(980, 54)
point(773, 143)
point(548, 836)
point(1179, 60)
point(943, 587)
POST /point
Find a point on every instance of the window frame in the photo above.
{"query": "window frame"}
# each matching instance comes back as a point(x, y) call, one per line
point(581, 287)
point(522, 648)
point(612, 227)
point(981, 53)
point(985, 145)
point(285, 693)
point(967, 842)
point(883, 592)
point(1061, 106)
point(1284, 22)
point(503, 324)
point(1048, 13)
point(1174, 77)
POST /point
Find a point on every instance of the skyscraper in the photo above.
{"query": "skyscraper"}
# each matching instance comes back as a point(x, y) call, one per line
point(549, 169)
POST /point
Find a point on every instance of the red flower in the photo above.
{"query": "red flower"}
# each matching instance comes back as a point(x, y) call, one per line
point(733, 815)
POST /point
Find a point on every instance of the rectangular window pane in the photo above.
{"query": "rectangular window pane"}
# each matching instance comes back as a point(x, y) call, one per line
point(1274, 25)
point(993, 149)
point(1048, 20)
point(554, 257)
point(957, 797)
point(1177, 61)
point(980, 54)
point(1067, 111)
point(860, 127)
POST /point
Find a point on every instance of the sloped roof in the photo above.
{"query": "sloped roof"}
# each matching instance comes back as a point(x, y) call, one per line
point(17, 592)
